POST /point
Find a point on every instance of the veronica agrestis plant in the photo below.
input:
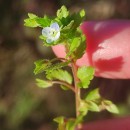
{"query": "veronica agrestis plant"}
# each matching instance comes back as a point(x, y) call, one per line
point(65, 29)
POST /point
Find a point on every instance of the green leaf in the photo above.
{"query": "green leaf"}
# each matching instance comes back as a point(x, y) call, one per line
point(58, 65)
point(93, 95)
point(82, 13)
point(68, 26)
point(64, 87)
point(77, 46)
point(59, 120)
point(41, 65)
point(43, 22)
point(70, 125)
point(31, 22)
point(92, 106)
point(83, 107)
point(81, 48)
point(48, 65)
point(74, 45)
point(42, 37)
point(88, 105)
point(78, 18)
point(111, 107)
point(60, 75)
point(35, 21)
point(79, 119)
point(62, 12)
point(85, 74)
point(43, 83)
point(31, 15)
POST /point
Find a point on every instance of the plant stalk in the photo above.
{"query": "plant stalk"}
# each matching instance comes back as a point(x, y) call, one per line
point(77, 91)
point(76, 88)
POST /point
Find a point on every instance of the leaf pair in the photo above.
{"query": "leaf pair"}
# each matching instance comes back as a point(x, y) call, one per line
point(62, 77)
point(94, 102)
point(53, 72)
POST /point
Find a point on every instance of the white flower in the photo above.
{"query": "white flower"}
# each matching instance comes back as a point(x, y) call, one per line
point(51, 33)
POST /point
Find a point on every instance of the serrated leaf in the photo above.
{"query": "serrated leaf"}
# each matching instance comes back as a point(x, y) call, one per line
point(74, 45)
point(88, 105)
point(31, 15)
point(85, 74)
point(68, 26)
point(41, 65)
point(70, 125)
point(111, 107)
point(42, 37)
point(82, 13)
point(61, 123)
point(78, 18)
point(59, 120)
point(31, 22)
point(62, 12)
point(35, 21)
point(93, 95)
point(79, 119)
point(92, 106)
point(58, 65)
point(43, 83)
point(48, 65)
point(81, 48)
point(43, 22)
point(60, 74)
point(64, 87)
point(83, 107)
point(77, 43)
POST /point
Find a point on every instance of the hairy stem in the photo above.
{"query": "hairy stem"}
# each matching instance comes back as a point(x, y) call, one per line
point(76, 88)
point(77, 91)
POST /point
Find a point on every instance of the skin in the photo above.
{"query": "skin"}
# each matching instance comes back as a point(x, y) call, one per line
point(108, 48)
point(108, 51)
point(113, 124)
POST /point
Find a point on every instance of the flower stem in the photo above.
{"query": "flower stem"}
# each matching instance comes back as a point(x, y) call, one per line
point(77, 91)
point(76, 88)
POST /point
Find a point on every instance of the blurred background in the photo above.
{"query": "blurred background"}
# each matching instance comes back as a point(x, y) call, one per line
point(24, 106)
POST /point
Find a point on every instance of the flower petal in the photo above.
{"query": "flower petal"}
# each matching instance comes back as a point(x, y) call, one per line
point(55, 26)
point(46, 31)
